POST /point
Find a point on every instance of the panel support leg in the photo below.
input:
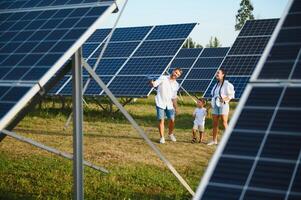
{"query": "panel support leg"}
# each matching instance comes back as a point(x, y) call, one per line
point(77, 126)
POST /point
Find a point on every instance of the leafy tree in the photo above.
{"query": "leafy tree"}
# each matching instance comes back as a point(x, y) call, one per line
point(214, 43)
point(245, 12)
point(189, 43)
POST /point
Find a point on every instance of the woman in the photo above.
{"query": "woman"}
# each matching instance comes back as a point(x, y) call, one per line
point(222, 93)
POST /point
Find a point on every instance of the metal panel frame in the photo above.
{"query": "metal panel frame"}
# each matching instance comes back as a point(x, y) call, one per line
point(77, 107)
point(136, 126)
point(50, 149)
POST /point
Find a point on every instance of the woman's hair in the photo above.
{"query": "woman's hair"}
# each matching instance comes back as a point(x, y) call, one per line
point(224, 72)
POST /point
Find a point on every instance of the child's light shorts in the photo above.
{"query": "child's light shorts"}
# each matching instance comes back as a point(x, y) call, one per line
point(201, 128)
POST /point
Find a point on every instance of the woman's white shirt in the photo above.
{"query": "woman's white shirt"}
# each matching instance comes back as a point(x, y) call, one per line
point(227, 90)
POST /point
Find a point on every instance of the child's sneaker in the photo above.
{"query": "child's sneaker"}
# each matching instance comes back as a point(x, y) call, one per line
point(212, 143)
point(172, 137)
point(193, 140)
point(162, 140)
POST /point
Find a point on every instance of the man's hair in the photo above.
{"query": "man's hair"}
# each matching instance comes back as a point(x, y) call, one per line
point(179, 69)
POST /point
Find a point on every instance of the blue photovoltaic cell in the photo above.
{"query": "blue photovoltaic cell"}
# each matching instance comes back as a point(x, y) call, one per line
point(189, 52)
point(159, 48)
point(130, 54)
point(287, 49)
point(9, 96)
point(259, 27)
point(249, 46)
point(135, 85)
point(201, 74)
point(35, 50)
point(142, 66)
point(239, 84)
point(196, 86)
point(67, 90)
point(200, 69)
point(213, 63)
point(93, 88)
point(89, 48)
point(21, 4)
point(33, 40)
point(246, 51)
point(58, 85)
point(130, 33)
point(99, 35)
point(176, 31)
point(123, 49)
point(240, 65)
point(107, 66)
point(261, 157)
point(183, 63)
point(215, 52)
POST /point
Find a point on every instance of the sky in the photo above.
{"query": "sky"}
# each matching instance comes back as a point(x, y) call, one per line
point(214, 17)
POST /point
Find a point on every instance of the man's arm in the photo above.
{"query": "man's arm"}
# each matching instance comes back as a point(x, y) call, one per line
point(175, 105)
point(156, 83)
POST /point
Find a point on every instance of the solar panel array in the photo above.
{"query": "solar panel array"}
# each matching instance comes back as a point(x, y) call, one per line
point(36, 39)
point(199, 67)
point(133, 56)
point(260, 155)
point(245, 53)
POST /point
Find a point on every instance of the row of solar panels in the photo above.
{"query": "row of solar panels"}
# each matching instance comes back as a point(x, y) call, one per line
point(132, 57)
point(37, 39)
point(136, 54)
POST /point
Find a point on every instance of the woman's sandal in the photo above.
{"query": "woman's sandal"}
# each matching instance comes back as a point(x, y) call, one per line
point(193, 140)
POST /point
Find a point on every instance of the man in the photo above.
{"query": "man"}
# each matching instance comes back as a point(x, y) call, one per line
point(166, 102)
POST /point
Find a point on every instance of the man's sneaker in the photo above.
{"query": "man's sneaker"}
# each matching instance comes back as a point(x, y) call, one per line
point(172, 137)
point(212, 143)
point(162, 140)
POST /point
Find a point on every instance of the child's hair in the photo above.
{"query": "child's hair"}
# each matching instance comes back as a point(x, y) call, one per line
point(202, 100)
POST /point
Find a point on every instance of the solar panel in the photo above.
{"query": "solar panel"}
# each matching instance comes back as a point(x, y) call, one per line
point(27, 4)
point(157, 48)
point(199, 66)
point(175, 31)
point(260, 153)
point(189, 52)
point(130, 34)
point(37, 38)
point(134, 53)
point(245, 53)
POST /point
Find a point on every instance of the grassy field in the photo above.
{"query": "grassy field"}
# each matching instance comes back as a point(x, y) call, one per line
point(109, 141)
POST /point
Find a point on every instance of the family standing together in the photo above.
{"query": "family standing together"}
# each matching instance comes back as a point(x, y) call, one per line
point(166, 105)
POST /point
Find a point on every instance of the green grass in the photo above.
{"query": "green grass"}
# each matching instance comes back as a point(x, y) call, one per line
point(109, 141)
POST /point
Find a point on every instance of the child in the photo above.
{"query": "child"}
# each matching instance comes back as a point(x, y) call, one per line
point(199, 122)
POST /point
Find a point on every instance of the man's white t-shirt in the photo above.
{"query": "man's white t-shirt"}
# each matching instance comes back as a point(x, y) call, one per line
point(200, 115)
point(167, 90)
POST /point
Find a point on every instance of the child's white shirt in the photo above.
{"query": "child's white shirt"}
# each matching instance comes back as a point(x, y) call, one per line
point(200, 115)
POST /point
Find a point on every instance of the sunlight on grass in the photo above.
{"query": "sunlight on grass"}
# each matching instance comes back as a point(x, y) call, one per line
point(109, 141)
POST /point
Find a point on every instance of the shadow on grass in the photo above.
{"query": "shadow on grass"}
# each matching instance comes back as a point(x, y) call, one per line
point(12, 195)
